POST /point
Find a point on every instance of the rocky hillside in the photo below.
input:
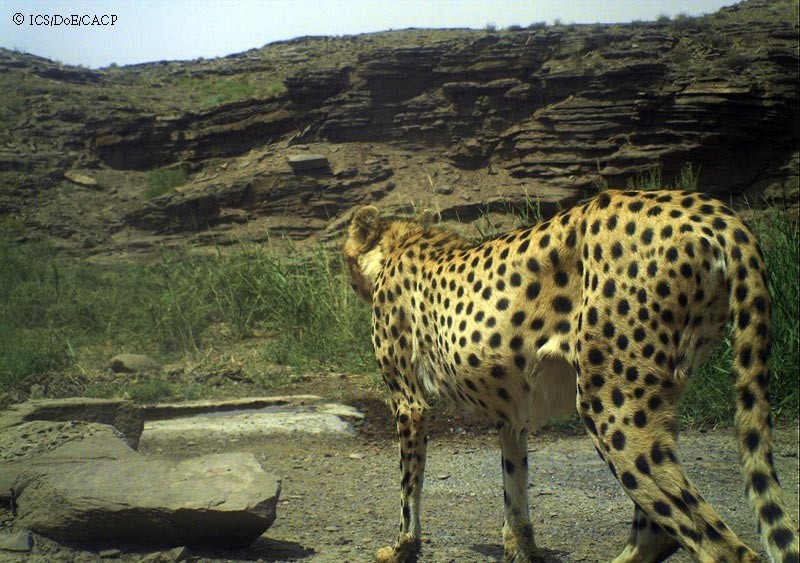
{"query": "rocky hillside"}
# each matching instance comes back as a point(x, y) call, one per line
point(286, 140)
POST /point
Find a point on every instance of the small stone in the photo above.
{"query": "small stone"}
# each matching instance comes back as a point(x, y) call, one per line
point(443, 476)
point(175, 555)
point(80, 179)
point(356, 456)
point(110, 554)
point(307, 162)
point(133, 363)
point(20, 541)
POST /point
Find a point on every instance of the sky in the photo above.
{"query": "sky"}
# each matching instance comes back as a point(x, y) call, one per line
point(136, 31)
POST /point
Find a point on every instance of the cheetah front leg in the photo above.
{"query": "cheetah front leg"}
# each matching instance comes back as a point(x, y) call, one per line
point(412, 433)
point(518, 541)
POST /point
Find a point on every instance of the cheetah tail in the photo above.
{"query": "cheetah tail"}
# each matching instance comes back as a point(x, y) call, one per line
point(750, 317)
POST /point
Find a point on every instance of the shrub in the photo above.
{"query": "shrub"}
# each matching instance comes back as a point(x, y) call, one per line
point(683, 21)
point(680, 55)
point(222, 91)
point(162, 181)
point(735, 61)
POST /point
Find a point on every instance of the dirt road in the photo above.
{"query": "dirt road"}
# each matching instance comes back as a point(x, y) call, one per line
point(340, 497)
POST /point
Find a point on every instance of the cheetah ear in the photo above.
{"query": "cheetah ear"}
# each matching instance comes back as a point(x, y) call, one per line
point(366, 222)
point(426, 217)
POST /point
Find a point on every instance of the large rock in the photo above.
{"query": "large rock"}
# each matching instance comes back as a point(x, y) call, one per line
point(98, 489)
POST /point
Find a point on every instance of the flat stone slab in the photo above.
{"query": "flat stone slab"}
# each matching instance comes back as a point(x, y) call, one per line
point(162, 411)
point(300, 163)
point(98, 489)
point(121, 414)
point(321, 418)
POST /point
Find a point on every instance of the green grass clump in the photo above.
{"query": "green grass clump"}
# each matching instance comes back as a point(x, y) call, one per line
point(210, 92)
point(218, 92)
point(163, 181)
point(304, 303)
point(52, 309)
point(150, 391)
point(29, 352)
point(652, 179)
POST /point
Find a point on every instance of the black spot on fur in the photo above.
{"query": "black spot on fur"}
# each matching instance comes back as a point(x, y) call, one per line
point(562, 304)
point(618, 440)
point(771, 513)
point(752, 440)
point(532, 292)
point(782, 537)
point(642, 466)
point(628, 480)
point(596, 357)
point(662, 508)
point(759, 481)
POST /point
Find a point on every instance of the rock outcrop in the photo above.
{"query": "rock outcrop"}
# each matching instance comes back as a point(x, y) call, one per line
point(95, 488)
point(471, 123)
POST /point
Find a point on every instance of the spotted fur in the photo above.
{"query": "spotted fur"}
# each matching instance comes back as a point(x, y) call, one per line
point(625, 295)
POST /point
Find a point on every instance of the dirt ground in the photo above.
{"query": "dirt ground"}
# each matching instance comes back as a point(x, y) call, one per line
point(340, 496)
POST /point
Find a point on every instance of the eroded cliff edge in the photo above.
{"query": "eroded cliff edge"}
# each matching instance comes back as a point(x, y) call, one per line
point(467, 122)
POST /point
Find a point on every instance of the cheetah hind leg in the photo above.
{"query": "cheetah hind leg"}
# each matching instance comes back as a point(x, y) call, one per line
point(643, 458)
point(519, 545)
point(648, 543)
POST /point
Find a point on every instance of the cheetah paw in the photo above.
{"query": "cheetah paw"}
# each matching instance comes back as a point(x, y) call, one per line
point(404, 552)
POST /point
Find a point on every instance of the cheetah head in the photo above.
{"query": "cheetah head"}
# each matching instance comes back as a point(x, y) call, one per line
point(363, 256)
point(369, 237)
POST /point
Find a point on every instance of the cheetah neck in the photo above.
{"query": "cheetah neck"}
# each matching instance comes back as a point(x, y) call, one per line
point(371, 263)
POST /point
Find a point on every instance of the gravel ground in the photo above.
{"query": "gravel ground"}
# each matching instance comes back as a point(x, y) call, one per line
point(341, 507)
point(340, 495)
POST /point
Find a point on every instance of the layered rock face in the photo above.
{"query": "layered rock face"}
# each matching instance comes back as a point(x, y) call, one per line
point(476, 124)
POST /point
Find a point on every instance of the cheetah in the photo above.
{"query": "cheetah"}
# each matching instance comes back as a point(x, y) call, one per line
point(609, 306)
